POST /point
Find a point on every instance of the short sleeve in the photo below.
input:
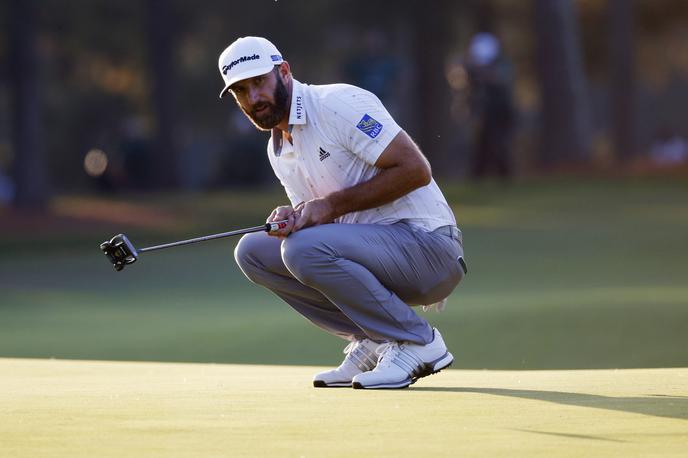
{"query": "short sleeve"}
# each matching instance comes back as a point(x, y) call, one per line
point(359, 121)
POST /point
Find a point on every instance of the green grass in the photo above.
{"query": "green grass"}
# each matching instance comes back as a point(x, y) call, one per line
point(108, 409)
point(563, 274)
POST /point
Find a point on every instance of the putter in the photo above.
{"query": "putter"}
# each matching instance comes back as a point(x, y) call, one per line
point(120, 251)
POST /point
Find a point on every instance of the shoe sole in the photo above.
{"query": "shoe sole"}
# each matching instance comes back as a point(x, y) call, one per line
point(443, 363)
point(323, 384)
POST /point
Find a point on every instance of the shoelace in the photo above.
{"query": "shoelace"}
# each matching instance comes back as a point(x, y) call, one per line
point(357, 352)
point(349, 348)
point(393, 353)
point(387, 352)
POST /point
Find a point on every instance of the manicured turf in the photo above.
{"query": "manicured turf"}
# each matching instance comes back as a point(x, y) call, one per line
point(563, 274)
point(108, 409)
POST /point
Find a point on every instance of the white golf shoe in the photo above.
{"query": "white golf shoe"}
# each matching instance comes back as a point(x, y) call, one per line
point(402, 363)
point(360, 357)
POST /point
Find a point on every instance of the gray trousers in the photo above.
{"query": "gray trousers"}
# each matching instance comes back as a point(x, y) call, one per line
point(357, 280)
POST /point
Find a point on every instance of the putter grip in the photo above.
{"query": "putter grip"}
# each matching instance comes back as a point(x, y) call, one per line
point(275, 226)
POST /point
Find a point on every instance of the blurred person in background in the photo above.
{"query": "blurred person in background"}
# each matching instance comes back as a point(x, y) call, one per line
point(136, 151)
point(368, 230)
point(490, 79)
point(668, 148)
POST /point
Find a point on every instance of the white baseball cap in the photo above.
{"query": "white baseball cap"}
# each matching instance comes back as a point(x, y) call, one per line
point(245, 58)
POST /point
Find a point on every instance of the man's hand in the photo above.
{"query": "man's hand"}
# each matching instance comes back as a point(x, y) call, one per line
point(312, 213)
point(285, 212)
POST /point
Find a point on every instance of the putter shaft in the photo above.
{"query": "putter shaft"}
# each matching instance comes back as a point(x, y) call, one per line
point(268, 227)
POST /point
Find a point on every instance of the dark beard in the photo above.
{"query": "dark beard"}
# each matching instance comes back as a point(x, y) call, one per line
point(275, 111)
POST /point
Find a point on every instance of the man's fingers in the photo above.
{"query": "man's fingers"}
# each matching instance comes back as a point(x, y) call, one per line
point(289, 227)
point(283, 232)
point(292, 221)
point(271, 218)
point(297, 218)
point(300, 219)
point(280, 213)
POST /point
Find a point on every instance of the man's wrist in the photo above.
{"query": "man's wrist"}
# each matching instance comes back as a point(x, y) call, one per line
point(334, 205)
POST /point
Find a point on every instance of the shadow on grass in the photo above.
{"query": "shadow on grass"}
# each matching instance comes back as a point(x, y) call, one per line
point(571, 436)
point(653, 405)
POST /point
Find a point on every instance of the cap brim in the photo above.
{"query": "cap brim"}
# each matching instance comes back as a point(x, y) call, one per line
point(247, 74)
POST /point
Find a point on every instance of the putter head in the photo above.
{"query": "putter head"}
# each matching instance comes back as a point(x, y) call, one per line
point(120, 251)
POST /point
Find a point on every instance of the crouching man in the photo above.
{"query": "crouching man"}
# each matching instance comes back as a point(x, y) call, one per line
point(369, 232)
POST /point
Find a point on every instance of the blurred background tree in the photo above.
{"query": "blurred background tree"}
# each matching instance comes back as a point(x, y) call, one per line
point(163, 27)
point(622, 77)
point(29, 167)
point(98, 96)
point(566, 130)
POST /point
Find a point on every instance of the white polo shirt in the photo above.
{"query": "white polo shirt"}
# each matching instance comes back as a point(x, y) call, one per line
point(339, 131)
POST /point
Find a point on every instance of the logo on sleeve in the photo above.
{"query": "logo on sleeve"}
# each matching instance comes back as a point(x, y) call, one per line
point(369, 126)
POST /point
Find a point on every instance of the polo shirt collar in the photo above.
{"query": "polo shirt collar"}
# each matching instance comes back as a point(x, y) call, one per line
point(297, 115)
point(297, 111)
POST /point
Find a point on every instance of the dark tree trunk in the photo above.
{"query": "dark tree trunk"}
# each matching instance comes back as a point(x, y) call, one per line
point(162, 33)
point(622, 78)
point(433, 103)
point(566, 131)
point(29, 167)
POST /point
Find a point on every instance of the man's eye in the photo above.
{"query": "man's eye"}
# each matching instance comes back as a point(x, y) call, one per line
point(258, 79)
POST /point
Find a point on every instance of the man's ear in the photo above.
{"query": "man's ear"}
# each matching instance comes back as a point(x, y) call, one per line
point(285, 71)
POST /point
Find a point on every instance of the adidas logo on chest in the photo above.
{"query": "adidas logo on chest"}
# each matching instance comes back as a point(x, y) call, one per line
point(323, 154)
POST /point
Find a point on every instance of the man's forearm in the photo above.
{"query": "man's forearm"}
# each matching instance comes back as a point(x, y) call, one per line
point(388, 185)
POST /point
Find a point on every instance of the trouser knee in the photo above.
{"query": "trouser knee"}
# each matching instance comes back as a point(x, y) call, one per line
point(247, 257)
point(302, 254)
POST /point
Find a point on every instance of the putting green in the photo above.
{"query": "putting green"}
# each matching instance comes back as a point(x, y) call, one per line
point(89, 408)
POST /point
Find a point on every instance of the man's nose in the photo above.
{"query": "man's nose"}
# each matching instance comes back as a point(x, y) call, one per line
point(253, 95)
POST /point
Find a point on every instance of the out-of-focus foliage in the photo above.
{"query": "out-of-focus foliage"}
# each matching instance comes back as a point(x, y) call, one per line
point(96, 79)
